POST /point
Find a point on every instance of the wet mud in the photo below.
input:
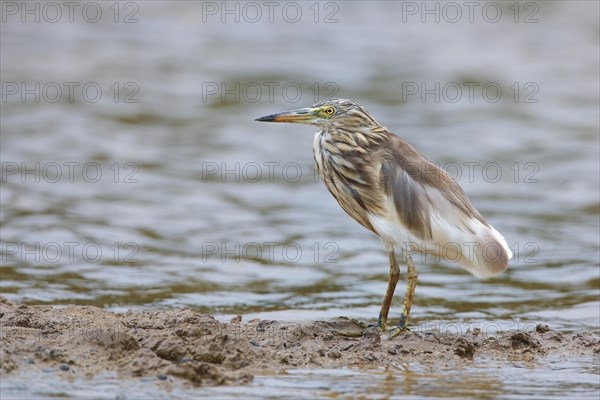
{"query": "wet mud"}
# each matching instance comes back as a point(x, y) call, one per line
point(184, 347)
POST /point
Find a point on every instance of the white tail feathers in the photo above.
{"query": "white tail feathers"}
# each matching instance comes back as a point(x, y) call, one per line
point(471, 243)
point(490, 254)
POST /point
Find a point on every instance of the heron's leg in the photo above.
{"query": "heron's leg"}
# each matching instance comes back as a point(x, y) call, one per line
point(411, 285)
point(389, 293)
point(387, 300)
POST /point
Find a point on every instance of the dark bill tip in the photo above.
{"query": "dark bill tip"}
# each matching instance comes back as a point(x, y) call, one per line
point(266, 118)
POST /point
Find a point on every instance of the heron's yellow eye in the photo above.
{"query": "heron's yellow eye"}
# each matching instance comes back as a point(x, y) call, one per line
point(329, 110)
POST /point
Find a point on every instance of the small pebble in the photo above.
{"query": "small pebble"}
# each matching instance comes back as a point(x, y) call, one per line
point(162, 377)
point(463, 348)
point(539, 328)
point(64, 367)
point(557, 337)
point(334, 354)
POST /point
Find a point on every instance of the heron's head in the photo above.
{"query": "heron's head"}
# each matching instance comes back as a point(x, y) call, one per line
point(327, 114)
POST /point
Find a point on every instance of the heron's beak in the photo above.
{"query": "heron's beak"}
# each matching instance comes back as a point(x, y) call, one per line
point(301, 116)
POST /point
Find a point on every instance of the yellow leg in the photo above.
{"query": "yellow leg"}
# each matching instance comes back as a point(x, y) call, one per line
point(387, 300)
point(389, 294)
point(411, 285)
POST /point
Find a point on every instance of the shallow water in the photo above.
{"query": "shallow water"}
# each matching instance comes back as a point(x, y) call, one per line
point(574, 379)
point(163, 192)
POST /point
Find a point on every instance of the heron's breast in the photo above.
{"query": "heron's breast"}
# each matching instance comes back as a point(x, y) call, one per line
point(351, 177)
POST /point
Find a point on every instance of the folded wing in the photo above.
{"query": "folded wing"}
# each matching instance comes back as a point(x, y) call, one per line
point(434, 215)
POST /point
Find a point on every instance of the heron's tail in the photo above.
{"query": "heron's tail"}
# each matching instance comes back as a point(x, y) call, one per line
point(487, 255)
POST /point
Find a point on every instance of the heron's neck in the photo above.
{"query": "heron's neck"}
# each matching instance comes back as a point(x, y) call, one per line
point(364, 137)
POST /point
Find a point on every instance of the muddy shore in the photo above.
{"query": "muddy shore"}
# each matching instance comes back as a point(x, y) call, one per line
point(185, 347)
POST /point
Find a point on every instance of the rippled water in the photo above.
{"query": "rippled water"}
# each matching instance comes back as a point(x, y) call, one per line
point(576, 378)
point(161, 191)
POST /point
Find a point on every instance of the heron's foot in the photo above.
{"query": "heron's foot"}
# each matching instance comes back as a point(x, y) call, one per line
point(364, 326)
point(401, 327)
point(354, 333)
point(396, 330)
